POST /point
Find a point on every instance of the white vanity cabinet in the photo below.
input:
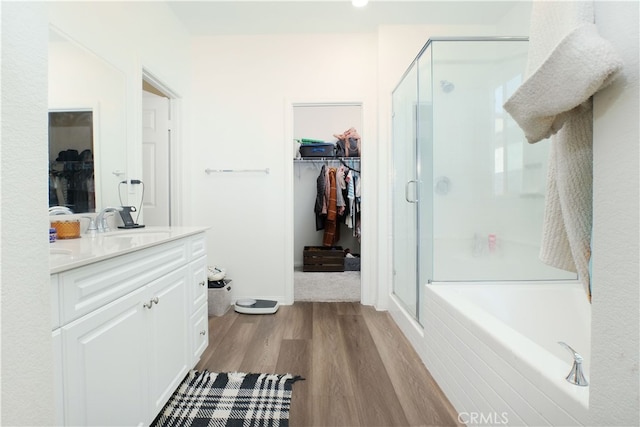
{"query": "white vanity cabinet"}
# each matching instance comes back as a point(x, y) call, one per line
point(56, 336)
point(127, 332)
point(199, 318)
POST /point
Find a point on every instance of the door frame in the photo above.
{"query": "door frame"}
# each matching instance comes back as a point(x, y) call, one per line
point(368, 284)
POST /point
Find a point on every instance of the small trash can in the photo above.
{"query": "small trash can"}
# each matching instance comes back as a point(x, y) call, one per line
point(219, 298)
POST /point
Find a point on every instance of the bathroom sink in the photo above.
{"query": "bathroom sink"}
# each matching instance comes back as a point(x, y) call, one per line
point(146, 234)
point(59, 253)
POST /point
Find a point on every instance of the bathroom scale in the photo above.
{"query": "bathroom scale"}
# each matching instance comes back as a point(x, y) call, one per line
point(256, 306)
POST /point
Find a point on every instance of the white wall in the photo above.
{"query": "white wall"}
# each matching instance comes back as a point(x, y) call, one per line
point(243, 91)
point(615, 322)
point(27, 363)
point(516, 21)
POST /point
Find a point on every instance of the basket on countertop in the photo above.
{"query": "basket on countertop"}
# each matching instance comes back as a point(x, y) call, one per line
point(67, 229)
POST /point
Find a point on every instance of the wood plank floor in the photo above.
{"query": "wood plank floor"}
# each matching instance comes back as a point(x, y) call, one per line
point(359, 369)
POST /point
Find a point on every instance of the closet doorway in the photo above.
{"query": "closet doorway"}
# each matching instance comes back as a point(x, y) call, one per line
point(321, 278)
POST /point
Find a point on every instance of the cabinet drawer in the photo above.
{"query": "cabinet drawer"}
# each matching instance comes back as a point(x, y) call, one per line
point(198, 246)
point(85, 289)
point(199, 332)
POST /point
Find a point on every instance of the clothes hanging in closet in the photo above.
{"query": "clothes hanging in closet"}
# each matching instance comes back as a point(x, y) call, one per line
point(353, 195)
point(337, 202)
point(72, 184)
point(331, 228)
point(319, 207)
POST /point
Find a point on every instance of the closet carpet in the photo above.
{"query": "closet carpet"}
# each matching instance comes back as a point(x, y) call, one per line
point(326, 287)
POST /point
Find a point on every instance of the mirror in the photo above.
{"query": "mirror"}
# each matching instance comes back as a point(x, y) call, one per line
point(71, 172)
point(86, 99)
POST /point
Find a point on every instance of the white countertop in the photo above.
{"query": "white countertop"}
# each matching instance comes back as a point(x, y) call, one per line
point(66, 254)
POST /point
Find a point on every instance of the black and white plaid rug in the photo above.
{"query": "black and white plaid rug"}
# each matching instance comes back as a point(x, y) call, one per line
point(229, 399)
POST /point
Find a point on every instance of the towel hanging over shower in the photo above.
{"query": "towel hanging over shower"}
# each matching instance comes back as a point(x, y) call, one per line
point(568, 62)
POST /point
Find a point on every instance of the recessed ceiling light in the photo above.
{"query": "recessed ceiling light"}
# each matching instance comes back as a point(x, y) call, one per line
point(359, 3)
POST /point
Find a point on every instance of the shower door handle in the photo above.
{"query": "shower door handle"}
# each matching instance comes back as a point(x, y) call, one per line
point(406, 191)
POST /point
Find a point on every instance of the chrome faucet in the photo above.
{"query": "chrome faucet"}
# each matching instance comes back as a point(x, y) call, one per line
point(576, 376)
point(101, 223)
point(60, 210)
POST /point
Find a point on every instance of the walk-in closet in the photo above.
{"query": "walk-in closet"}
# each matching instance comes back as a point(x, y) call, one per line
point(327, 255)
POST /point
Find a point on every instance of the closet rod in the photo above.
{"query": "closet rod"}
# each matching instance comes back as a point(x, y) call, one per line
point(210, 171)
point(328, 159)
point(342, 160)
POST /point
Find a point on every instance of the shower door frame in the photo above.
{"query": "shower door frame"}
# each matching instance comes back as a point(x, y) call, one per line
point(424, 271)
point(405, 217)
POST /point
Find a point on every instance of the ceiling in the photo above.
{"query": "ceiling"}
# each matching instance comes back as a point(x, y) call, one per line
point(216, 17)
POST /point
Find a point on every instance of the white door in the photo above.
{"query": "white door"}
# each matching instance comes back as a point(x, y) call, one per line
point(156, 139)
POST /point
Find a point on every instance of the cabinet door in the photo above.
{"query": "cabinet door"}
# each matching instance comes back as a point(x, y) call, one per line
point(199, 333)
point(105, 355)
point(198, 284)
point(58, 375)
point(169, 347)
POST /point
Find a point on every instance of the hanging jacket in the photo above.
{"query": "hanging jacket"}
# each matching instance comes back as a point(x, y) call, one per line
point(320, 199)
point(331, 230)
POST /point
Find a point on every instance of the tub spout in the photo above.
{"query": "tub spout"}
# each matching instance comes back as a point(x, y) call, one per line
point(576, 376)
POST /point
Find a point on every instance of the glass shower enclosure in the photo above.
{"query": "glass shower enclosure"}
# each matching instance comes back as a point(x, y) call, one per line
point(468, 190)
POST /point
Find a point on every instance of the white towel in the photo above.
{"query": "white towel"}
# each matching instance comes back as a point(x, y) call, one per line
point(568, 62)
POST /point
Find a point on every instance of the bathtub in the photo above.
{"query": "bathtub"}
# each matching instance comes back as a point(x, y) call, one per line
point(493, 350)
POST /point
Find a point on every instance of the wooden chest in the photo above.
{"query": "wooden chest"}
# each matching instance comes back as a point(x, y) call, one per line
point(321, 258)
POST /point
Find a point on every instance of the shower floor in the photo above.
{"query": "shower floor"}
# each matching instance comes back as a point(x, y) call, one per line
point(326, 287)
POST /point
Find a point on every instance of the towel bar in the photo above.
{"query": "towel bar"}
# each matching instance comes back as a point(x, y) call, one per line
point(210, 171)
